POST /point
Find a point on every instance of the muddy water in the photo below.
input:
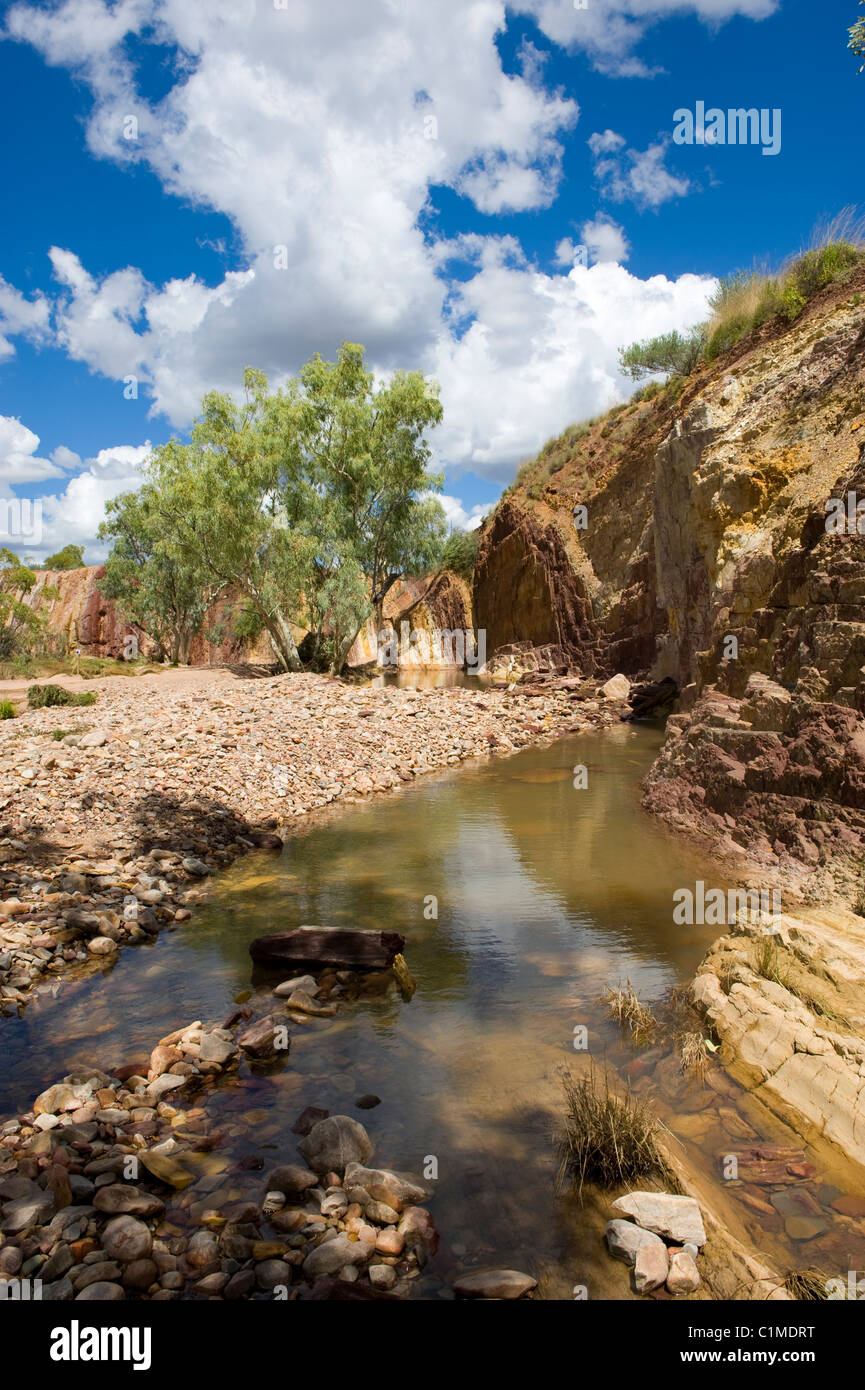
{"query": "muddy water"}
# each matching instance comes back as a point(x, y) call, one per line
point(520, 897)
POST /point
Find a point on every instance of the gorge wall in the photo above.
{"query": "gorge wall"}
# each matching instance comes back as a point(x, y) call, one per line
point(705, 555)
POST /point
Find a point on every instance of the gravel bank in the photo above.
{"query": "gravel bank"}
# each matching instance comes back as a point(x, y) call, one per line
point(113, 815)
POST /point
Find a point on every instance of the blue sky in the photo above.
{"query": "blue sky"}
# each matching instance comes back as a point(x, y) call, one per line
point(428, 171)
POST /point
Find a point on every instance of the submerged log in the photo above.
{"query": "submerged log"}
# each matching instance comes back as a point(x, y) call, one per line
point(317, 947)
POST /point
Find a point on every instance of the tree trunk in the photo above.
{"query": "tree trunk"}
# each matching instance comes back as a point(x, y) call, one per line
point(284, 644)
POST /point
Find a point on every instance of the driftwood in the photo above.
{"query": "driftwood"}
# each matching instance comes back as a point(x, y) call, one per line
point(317, 947)
point(650, 699)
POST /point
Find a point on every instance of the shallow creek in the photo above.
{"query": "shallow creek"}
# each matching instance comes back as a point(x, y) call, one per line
point(545, 894)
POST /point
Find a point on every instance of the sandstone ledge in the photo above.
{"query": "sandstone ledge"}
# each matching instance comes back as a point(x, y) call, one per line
point(790, 1016)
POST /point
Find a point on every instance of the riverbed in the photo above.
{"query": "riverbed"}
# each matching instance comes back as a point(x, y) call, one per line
point(524, 886)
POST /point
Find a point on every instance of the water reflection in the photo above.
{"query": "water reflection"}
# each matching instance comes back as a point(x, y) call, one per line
point(521, 897)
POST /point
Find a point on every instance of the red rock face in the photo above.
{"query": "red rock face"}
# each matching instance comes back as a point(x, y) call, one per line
point(770, 756)
point(527, 590)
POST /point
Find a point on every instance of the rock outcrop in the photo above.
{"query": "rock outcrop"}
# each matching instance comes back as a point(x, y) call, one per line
point(684, 538)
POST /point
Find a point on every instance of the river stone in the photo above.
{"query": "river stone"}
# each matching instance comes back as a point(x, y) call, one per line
point(304, 982)
point(128, 1199)
point(334, 1143)
point(805, 1227)
point(616, 688)
point(676, 1218)
point(270, 1274)
point(382, 1276)
point(624, 1239)
point(291, 1178)
point(165, 1168)
point(494, 1283)
point(393, 1188)
point(158, 1088)
point(101, 1293)
point(215, 1049)
point(651, 1266)
point(258, 1039)
point(24, 1212)
point(60, 1098)
point(101, 946)
point(418, 1227)
point(126, 1239)
point(333, 1254)
point(683, 1276)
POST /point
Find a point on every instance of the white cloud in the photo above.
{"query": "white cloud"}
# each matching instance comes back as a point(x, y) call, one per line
point(601, 239)
point(321, 130)
point(19, 315)
point(542, 351)
point(605, 239)
point(610, 30)
point(457, 516)
point(19, 462)
point(639, 176)
point(73, 514)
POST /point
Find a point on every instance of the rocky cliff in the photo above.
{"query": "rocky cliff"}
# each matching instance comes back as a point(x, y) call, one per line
point(686, 536)
point(82, 617)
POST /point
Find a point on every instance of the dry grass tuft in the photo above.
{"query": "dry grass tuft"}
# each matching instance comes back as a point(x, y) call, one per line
point(628, 1011)
point(606, 1138)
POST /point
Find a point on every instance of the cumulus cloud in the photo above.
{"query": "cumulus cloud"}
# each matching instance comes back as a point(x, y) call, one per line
point(319, 131)
point(71, 514)
point(542, 351)
point(638, 176)
point(457, 517)
point(19, 315)
point(19, 462)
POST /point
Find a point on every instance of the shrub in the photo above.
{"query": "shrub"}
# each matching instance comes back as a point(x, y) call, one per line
point(674, 352)
point(7, 709)
point(461, 551)
point(45, 696)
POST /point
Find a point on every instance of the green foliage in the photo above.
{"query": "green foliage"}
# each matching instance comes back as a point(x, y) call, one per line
point(20, 622)
point(460, 552)
point(674, 352)
point(728, 332)
point(856, 41)
point(47, 696)
point(7, 709)
point(156, 586)
point(302, 506)
point(71, 557)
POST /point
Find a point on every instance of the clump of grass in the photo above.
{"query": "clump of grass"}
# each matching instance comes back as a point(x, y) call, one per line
point(629, 1012)
point(807, 1285)
point(47, 696)
point(749, 298)
point(59, 734)
point(605, 1138)
point(7, 709)
point(694, 1054)
point(769, 961)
